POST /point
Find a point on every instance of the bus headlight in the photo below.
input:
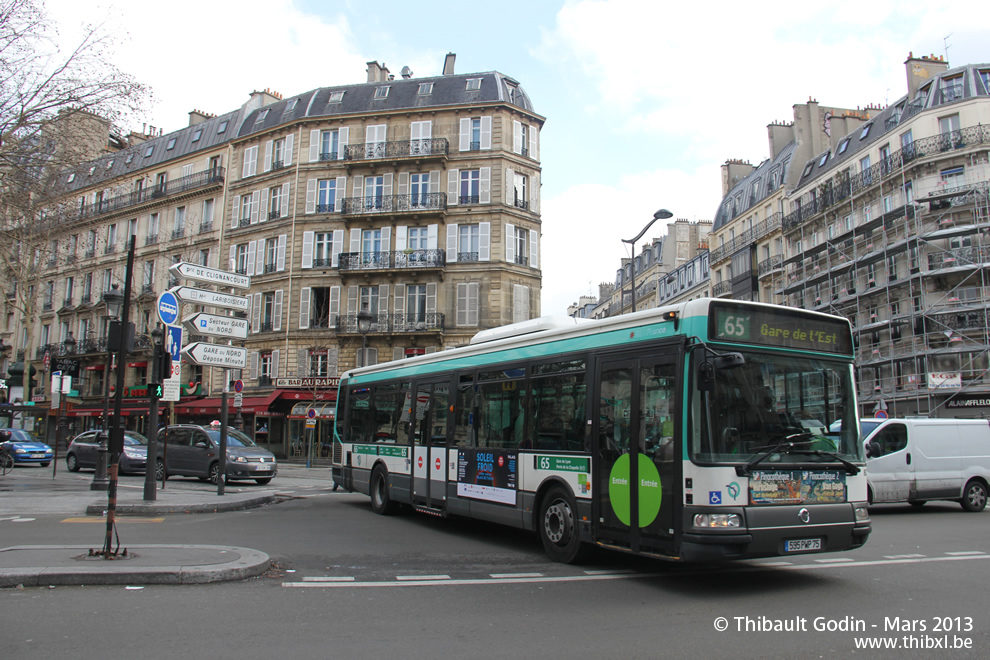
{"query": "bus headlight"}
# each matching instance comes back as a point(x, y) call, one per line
point(861, 512)
point(717, 520)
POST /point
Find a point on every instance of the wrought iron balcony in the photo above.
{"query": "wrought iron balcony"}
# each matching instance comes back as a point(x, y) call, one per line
point(178, 232)
point(270, 268)
point(176, 186)
point(521, 260)
point(110, 248)
point(521, 204)
point(151, 239)
point(277, 164)
point(325, 208)
point(722, 288)
point(205, 227)
point(468, 256)
point(396, 149)
point(67, 302)
point(147, 288)
point(90, 253)
point(347, 324)
point(952, 92)
point(394, 203)
point(331, 155)
point(86, 299)
point(241, 223)
point(71, 258)
point(404, 259)
point(767, 266)
point(274, 214)
point(319, 322)
point(322, 262)
point(469, 199)
point(265, 326)
point(46, 306)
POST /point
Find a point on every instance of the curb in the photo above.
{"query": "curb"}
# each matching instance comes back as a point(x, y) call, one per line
point(248, 563)
point(159, 509)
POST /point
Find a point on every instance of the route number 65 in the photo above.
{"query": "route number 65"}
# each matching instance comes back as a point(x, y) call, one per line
point(734, 326)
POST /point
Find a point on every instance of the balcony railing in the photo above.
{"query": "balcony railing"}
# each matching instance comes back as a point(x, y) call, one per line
point(746, 238)
point(395, 203)
point(405, 259)
point(178, 232)
point(393, 323)
point(325, 208)
point(205, 227)
point(842, 187)
point(331, 155)
point(277, 164)
point(722, 288)
point(396, 149)
point(265, 326)
point(273, 214)
point(270, 268)
point(151, 239)
point(182, 184)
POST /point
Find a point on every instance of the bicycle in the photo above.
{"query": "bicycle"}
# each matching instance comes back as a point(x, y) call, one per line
point(6, 461)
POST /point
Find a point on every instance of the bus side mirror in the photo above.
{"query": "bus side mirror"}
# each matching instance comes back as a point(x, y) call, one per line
point(706, 376)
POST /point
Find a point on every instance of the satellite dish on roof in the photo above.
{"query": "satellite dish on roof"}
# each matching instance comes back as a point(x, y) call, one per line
point(406, 72)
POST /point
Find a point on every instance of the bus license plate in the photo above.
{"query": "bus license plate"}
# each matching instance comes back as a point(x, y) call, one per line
point(802, 545)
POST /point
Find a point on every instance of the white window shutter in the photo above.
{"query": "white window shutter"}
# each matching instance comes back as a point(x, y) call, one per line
point(352, 301)
point(255, 205)
point(403, 183)
point(267, 165)
point(534, 249)
point(280, 253)
point(260, 256)
point(431, 236)
point(534, 193)
point(255, 359)
point(388, 185)
point(520, 303)
point(246, 163)
point(465, 143)
point(250, 257)
point(287, 158)
point(314, 146)
point(485, 188)
point(371, 357)
point(233, 258)
point(302, 362)
point(400, 302)
point(257, 313)
point(355, 240)
point(338, 247)
point(277, 325)
point(453, 181)
point(382, 301)
point(510, 243)
point(451, 243)
point(304, 294)
point(534, 132)
point(342, 136)
point(510, 186)
point(338, 202)
point(235, 214)
point(461, 305)
point(359, 186)
point(431, 298)
point(516, 137)
point(264, 205)
point(311, 196)
point(285, 199)
point(486, 132)
point(334, 305)
point(401, 235)
point(274, 372)
point(307, 251)
point(386, 240)
point(434, 181)
point(472, 314)
point(398, 352)
point(484, 241)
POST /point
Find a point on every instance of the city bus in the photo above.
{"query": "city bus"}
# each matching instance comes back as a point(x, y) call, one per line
point(692, 432)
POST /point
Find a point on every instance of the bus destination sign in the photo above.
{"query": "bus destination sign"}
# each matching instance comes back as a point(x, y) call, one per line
point(778, 327)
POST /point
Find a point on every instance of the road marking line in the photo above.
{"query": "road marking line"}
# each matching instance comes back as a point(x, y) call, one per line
point(775, 563)
point(328, 579)
point(903, 556)
point(965, 553)
point(922, 560)
point(834, 560)
point(622, 571)
point(416, 578)
point(472, 582)
point(515, 575)
point(123, 519)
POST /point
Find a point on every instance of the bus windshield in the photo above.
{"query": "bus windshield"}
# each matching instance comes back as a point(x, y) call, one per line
point(776, 406)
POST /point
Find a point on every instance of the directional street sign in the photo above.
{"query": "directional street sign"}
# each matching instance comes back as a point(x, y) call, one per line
point(168, 307)
point(214, 298)
point(215, 355)
point(217, 326)
point(211, 275)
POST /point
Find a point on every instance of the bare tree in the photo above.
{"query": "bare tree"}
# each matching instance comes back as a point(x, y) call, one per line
point(58, 110)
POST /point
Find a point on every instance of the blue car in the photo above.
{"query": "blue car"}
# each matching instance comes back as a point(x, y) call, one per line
point(25, 448)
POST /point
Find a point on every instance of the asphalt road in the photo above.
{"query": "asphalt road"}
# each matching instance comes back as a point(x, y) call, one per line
point(349, 584)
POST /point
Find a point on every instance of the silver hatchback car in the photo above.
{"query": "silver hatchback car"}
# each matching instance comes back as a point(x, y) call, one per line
point(191, 450)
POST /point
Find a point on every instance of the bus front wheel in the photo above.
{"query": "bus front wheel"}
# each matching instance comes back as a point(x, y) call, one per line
point(558, 527)
point(381, 503)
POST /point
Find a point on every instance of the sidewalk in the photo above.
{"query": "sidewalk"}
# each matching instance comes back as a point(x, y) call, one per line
point(31, 491)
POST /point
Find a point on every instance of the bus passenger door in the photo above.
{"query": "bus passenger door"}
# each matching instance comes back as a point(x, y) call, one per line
point(431, 409)
point(636, 454)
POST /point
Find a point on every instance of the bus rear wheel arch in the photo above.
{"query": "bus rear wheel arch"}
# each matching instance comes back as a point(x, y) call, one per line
point(557, 525)
point(381, 500)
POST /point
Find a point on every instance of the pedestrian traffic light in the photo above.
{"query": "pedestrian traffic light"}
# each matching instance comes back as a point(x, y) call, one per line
point(155, 390)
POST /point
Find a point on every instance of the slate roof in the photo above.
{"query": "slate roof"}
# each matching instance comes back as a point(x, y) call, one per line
point(741, 193)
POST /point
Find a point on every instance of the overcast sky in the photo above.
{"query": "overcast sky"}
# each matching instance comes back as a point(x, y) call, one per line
point(643, 100)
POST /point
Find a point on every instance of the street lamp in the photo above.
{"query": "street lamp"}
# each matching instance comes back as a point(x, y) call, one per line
point(662, 214)
point(114, 300)
point(364, 320)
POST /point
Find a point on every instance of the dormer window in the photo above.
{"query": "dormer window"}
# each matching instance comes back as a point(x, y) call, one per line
point(381, 92)
point(865, 131)
point(843, 146)
point(72, 177)
point(197, 135)
point(109, 163)
point(808, 168)
point(473, 84)
point(171, 145)
point(291, 106)
point(261, 116)
point(824, 159)
point(129, 158)
point(222, 127)
point(425, 88)
point(150, 150)
point(336, 97)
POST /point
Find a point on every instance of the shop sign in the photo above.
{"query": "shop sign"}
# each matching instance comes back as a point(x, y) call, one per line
point(944, 380)
point(307, 382)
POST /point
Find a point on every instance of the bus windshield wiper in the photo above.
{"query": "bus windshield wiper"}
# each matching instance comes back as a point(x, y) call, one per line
point(788, 440)
point(851, 468)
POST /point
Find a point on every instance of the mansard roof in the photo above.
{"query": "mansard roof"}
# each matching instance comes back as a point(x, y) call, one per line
point(740, 198)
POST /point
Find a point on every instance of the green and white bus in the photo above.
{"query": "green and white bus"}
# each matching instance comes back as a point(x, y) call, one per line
point(717, 411)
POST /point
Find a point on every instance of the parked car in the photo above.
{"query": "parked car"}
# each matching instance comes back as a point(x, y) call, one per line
point(83, 452)
point(191, 450)
point(25, 447)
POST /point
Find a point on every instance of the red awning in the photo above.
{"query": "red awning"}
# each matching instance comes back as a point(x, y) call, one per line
point(138, 365)
point(251, 404)
point(93, 411)
point(96, 367)
point(307, 395)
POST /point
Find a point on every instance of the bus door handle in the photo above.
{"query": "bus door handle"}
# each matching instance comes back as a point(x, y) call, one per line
point(909, 458)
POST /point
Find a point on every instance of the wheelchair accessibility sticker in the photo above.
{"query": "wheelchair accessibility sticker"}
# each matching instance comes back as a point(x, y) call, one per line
point(714, 497)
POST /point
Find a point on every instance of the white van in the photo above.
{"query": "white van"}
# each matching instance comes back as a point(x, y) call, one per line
point(916, 460)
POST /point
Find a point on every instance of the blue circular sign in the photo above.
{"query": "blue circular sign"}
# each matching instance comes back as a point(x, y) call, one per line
point(168, 308)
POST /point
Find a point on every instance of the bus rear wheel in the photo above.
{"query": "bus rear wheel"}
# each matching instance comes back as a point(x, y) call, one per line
point(558, 528)
point(381, 503)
